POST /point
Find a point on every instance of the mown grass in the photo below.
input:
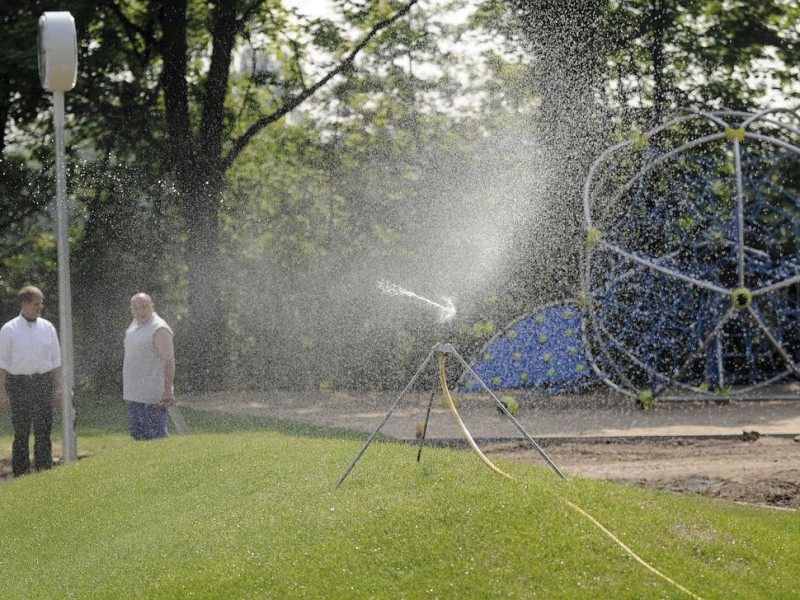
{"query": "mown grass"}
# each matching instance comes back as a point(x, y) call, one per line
point(250, 511)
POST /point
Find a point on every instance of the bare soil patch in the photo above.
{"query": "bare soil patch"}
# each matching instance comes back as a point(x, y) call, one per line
point(750, 468)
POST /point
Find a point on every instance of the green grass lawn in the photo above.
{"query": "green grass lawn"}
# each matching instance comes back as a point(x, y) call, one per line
point(246, 508)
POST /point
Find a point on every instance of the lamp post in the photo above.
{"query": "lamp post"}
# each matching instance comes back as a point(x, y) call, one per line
point(58, 68)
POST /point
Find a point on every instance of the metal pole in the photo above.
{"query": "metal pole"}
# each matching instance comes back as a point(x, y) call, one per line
point(64, 293)
point(448, 349)
point(385, 418)
point(424, 431)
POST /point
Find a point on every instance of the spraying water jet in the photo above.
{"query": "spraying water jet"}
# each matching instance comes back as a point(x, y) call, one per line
point(446, 311)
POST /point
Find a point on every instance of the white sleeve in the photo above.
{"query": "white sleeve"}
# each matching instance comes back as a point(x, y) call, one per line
point(5, 348)
point(55, 353)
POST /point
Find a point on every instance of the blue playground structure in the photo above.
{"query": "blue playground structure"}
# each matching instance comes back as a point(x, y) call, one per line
point(541, 350)
point(691, 273)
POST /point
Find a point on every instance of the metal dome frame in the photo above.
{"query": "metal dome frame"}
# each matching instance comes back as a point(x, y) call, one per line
point(692, 264)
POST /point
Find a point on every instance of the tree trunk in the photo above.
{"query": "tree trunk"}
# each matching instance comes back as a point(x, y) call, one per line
point(195, 159)
point(205, 344)
point(658, 16)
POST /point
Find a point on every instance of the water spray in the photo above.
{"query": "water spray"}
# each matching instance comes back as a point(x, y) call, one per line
point(446, 311)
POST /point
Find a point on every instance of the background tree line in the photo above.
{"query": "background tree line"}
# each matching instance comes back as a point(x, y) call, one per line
point(258, 171)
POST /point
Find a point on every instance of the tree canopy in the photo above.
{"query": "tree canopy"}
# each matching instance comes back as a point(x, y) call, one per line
point(242, 157)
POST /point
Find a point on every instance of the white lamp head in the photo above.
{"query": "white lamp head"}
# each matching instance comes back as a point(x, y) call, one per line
point(58, 51)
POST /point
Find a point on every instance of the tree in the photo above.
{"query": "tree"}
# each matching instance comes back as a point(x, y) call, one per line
point(162, 151)
point(603, 68)
point(169, 65)
point(198, 149)
point(174, 97)
point(393, 177)
point(568, 42)
point(699, 53)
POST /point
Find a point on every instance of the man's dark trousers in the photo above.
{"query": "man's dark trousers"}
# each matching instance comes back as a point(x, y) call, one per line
point(31, 399)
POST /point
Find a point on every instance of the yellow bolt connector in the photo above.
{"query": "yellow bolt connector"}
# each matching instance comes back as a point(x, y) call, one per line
point(734, 134)
point(741, 298)
point(593, 236)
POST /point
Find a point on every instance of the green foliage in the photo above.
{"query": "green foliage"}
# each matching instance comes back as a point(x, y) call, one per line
point(510, 403)
point(306, 216)
point(645, 399)
point(32, 261)
point(27, 239)
point(662, 56)
point(708, 52)
point(483, 329)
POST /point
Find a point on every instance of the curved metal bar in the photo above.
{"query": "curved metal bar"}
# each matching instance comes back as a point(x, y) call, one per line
point(663, 158)
point(775, 286)
point(706, 342)
point(593, 361)
point(655, 267)
point(772, 340)
point(737, 162)
point(770, 140)
point(755, 198)
point(619, 345)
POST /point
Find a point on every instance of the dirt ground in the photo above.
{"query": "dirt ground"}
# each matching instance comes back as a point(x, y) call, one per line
point(748, 468)
point(745, 452)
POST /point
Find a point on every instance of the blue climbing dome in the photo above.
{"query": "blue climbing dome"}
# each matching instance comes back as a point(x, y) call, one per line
point(540, 350)
point(691, 274)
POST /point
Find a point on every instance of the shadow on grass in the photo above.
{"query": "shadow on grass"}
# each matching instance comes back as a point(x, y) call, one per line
point(97, 417)
point(205, 421)
point(101, 416)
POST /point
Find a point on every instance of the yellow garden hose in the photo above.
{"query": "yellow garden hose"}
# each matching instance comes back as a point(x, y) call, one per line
point(575, 507)
point(630, 552)
point(467, 436)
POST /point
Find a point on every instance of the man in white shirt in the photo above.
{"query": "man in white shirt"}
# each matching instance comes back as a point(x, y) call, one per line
point(30, 380)
point(148, 370)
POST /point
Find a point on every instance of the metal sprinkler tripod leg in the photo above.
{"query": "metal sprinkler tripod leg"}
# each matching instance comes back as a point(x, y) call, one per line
point(425, 426)
point(508, 414)
point(385, 418)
